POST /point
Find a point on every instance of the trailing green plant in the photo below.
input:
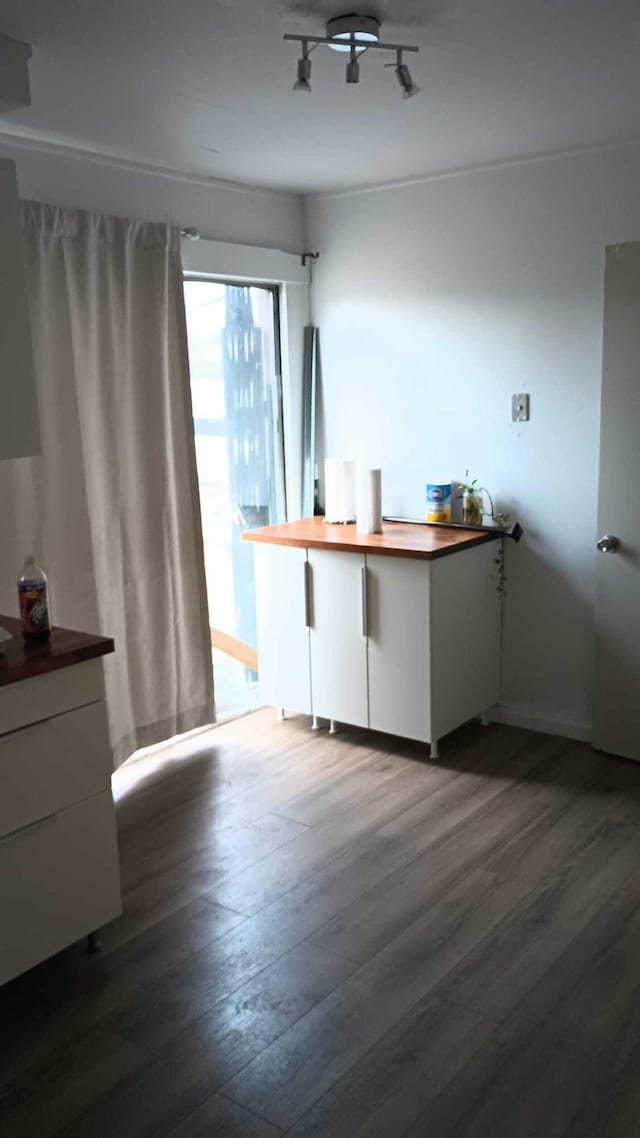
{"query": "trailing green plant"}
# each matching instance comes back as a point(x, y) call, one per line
point(499, 518)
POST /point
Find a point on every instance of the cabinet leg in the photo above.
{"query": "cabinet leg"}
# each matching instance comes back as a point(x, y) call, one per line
point(315, 723)
point(94, 944)
point(333, 727)
point(434, 752)
point(281, 714)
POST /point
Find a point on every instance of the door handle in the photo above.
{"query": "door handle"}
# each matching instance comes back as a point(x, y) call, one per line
point(307, 595)
point(365, 608)
point(608, 543)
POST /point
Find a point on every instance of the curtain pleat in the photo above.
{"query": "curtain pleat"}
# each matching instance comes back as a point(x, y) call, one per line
point(111, 507)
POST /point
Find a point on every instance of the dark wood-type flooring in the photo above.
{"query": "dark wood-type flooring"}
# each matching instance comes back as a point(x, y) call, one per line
point(332, 937)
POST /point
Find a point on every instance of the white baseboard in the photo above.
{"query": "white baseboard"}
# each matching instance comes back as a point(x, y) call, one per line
point(501, 713)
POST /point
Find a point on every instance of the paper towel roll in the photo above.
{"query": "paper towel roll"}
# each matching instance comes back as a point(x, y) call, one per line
point(339, 490)
point(369, 501)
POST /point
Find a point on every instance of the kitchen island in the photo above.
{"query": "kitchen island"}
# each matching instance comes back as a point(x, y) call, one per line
point(398, 632)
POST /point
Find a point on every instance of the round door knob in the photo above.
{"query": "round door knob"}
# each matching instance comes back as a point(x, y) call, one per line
point(608, 543)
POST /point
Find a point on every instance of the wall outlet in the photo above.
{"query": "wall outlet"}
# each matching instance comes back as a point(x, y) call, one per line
point(520, 408)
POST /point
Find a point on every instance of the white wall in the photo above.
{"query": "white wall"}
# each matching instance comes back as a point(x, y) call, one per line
point(221, 211)
point(435, 302)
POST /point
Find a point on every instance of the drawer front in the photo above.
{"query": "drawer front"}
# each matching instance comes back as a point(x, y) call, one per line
point(52, 764)
point(59, 880)
point(43, 696)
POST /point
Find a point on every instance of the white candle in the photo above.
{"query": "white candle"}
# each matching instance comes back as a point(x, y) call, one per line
point(369, 502)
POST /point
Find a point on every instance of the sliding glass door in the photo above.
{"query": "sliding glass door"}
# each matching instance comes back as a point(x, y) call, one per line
point(234, 356)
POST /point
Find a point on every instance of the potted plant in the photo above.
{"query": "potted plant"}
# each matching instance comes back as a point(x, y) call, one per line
point(473, 509)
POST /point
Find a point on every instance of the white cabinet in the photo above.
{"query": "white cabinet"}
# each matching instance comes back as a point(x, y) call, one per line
point(399, 656)
point(59, 871)
point(283, 624)
point(19, 429)
point(338, 637)
point(401, 644)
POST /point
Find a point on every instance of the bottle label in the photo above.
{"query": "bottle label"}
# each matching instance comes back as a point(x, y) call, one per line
point(34, 607)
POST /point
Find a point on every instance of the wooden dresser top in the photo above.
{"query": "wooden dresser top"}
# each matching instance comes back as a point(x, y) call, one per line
point(398, 539)
point(21, 659)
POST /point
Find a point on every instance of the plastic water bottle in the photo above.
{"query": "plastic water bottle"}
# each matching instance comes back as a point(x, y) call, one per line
point(33, 589)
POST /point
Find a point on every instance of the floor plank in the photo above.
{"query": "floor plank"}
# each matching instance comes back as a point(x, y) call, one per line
point(218, 1117)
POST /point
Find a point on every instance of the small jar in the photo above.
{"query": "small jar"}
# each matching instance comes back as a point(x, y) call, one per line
point(472, 508)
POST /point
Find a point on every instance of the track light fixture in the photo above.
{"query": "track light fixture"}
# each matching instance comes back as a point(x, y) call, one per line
point(356, 35)
point(409, 88)
point(304, 71)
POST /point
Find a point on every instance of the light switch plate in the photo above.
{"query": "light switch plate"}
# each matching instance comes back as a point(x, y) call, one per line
point(520, 408)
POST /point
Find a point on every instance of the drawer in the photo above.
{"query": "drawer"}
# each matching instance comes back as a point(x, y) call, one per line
point(59, 880)
point(43, 696)
point(52, 764)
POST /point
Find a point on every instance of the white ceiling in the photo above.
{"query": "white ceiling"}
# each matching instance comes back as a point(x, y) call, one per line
point(204, 86)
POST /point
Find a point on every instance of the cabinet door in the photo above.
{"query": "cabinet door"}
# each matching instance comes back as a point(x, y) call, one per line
point(19, 429)
point(283, 633)
point(398, 646)
point(338, 637)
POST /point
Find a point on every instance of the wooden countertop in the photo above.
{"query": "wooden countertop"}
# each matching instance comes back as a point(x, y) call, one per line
point(21, 659)
point(398, 539)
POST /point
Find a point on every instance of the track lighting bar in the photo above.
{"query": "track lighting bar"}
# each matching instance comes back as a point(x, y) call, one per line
point(364, 45)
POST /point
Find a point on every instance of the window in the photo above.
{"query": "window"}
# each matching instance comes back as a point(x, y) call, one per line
point(234, 355)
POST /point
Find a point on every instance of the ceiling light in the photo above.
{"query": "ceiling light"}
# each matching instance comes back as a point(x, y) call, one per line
point(356, 35)
point(365, 29)
point(409, 88)
point(304, 72)
point(353, 68)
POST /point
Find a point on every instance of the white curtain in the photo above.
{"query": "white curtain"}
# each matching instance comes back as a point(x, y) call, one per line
point(111, 507)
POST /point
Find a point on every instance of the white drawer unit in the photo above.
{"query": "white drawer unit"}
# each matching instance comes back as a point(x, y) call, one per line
point(59, 869)
point(398, 632)
point(59, 880)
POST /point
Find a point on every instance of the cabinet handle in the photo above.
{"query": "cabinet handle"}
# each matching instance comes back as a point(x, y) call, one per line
point(25, 829)
point(307, 595)
point(365, 610)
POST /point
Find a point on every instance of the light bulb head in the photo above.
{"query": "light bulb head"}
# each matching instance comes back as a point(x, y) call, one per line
point(353, 71)
point(409, 88)
point(304, 74)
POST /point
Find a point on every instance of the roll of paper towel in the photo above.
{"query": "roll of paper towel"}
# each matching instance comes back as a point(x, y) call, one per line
point(369, 501)
point(339, 490)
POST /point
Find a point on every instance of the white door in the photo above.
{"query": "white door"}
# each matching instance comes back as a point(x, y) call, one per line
point(338, 637)
point(617, 690)
point(282, 620)
point(398, 648)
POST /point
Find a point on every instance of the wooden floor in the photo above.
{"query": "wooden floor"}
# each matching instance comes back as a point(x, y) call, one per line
point(332, 937)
